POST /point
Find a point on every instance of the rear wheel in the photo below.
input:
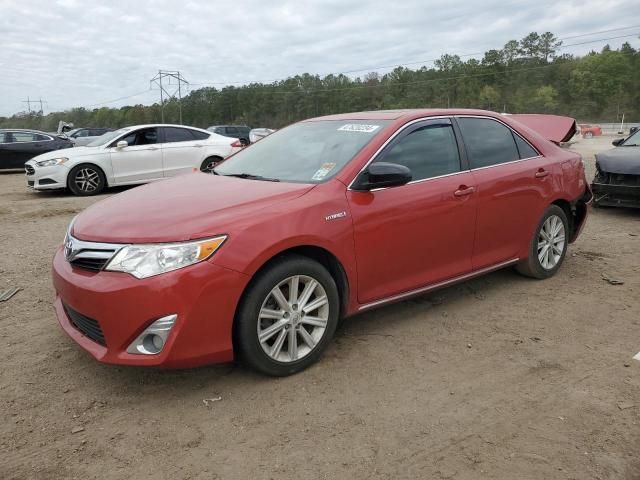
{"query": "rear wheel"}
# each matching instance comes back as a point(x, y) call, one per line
point(86, 179)
point(548, 246)
point(287, 317)
point(209, 164)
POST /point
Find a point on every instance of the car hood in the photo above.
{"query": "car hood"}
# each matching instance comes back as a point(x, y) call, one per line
point(67, 152)
point(621, 160)
point(192, 206)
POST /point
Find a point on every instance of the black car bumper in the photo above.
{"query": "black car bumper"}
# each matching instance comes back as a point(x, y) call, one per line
point(612, 195)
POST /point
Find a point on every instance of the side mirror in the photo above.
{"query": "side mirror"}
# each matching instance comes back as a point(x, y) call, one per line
point(617, 142)
point(122, 144)
point(381, 175)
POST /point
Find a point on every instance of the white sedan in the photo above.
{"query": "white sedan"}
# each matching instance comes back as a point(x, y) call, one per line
point(131, 155)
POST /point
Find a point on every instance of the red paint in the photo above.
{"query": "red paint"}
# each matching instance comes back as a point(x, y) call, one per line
point(390, 241)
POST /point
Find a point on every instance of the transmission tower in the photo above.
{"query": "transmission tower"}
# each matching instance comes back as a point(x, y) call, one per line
point(170, 84)
point(28, 101)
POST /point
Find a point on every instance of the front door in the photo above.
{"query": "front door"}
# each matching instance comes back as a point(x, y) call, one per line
point(140, 160)
point(420, 233)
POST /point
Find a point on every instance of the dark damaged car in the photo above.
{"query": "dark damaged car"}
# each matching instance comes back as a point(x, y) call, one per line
point(617, 180)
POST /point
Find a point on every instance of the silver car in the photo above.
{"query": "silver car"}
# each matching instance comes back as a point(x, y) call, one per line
point(84, 136)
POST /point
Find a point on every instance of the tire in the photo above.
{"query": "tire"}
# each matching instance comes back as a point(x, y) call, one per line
point(540, 265)
point(86, 179)
point(588, 135)
point(261, 314)
point(208, 164)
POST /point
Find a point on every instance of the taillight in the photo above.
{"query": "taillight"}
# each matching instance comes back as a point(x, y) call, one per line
point(237, 144)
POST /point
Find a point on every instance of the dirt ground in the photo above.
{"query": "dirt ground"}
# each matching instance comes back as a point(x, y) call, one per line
point(501, 377)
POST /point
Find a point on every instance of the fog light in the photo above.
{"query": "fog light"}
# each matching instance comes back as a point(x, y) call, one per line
point(152, 339)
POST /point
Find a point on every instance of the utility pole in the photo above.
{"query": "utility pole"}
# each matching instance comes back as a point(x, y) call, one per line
point(169, 89)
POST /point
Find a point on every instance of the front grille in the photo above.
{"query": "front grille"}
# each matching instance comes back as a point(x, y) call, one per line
point(85, 325)
point(90, 263)
point(29, 169)
point(46, 181)
point(618, 179)
point(89, 255)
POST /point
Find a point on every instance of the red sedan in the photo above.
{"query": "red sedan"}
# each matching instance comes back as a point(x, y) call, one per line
point(590, 131)
point(318, 221)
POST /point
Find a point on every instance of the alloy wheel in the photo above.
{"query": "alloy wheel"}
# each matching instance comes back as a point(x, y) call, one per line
point(293, 318)
point(209, 166)
point(551, 242)
point(87, 179)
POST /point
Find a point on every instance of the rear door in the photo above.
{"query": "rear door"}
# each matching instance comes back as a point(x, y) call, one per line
point(420, 233)
point(140, 160)
point(181, 152)
point(514, 188)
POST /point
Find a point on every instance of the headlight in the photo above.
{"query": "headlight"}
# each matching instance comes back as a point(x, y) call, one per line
point(143, 261)
point(51, 162)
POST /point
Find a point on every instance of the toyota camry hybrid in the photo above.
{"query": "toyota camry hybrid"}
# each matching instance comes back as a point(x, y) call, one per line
point(320, 220)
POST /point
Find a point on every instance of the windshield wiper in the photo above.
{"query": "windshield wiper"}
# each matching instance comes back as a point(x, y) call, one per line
point(250, 176)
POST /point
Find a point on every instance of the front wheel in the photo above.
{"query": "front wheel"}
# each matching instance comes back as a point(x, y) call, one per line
point(86, 179)
point(548, 246)
point(287, 317)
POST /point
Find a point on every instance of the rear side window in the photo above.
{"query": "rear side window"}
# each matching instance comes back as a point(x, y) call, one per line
point(488, 142)
point(429, 151)
point(172, 134)
point(525, 150)
point(198, 135)
point(232, 131)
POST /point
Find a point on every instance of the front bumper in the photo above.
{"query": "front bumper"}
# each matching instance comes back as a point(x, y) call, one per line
point(612, 195)
point(46, 178)
point(204, 297)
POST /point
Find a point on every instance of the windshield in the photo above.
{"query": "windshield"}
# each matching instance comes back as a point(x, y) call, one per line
point(107, 137)
point(306, 152)
point(633, 140)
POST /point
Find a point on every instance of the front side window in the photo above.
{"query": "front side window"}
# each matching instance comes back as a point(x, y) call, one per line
point(174, 134)
point(488, 142)
point(146, 136)
point(306, 152)
point(232, 131)
point(429, 151)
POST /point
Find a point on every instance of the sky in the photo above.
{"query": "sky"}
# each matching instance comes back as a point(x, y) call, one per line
point(89, 53)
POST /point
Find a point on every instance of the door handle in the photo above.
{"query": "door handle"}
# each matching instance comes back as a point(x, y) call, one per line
point(464, 190)
point(541, 173)
point(152, 148)
point(197, 145)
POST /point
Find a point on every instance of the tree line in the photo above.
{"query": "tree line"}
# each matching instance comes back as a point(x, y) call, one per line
point(530, 75)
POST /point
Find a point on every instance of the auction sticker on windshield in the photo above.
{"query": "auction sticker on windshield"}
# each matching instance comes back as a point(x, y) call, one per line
point(357, 127)
point(323, 171)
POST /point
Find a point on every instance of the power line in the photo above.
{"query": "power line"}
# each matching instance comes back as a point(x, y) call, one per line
point(182, 82)
point(417, 62)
